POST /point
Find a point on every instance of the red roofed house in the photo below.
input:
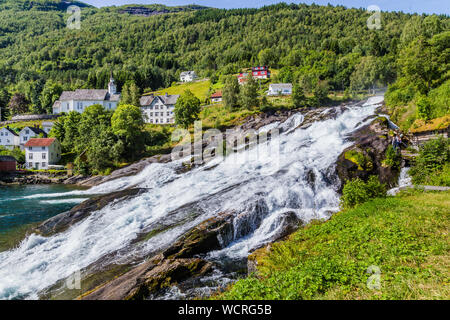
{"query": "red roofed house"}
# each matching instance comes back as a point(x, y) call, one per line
point(261, 72)
point(216, 97)
point(42, 152)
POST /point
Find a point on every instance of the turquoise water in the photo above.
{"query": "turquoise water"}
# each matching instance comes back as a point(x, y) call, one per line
point(27, 204)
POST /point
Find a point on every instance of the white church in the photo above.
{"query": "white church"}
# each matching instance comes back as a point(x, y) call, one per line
point(80, 99)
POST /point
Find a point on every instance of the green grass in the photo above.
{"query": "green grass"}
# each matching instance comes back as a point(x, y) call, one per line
point(200, 89)
point(17, 126)
point(405, 236)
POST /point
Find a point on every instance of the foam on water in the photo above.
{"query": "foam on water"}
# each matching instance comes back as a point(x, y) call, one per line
point(276, 183)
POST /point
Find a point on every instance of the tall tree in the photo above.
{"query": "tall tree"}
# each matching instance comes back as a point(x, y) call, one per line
point(249, 93)
point(18, 104)
point(231, 92)
point(187, 109)
point(127, 124)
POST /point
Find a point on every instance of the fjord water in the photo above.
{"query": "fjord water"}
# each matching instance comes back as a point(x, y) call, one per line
point(264, 187)
point(19, 208)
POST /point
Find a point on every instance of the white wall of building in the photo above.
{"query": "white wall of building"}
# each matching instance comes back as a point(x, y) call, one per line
point(159, 113)
point(42, 157)
point(8, 140)
point(81, 105)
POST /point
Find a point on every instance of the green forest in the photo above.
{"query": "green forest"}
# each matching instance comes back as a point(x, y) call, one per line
point(312, 46)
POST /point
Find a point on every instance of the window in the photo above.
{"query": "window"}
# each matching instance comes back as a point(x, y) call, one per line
point(43, 148)
point(168, 114)
point(30, 164)
point(30, 156)
point(44, 164)
point(27, 131)
point(44, 156)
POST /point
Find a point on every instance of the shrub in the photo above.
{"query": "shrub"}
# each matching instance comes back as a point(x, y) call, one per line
point(357, 191)
point(392, 158)
point(432, 161)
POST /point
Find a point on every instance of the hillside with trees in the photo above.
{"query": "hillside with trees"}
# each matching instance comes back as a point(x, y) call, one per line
point(315, 47)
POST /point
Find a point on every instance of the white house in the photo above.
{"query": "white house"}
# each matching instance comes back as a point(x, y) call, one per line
point(30, 132)
point(42, 152)
point(9, 138)
point(80, 99)
point(216, 97)
point(47, 126)
point(188, 76)
point(159, 109)
point(277, 89)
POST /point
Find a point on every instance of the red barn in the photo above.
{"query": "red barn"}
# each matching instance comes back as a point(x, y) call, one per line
point(7, 164)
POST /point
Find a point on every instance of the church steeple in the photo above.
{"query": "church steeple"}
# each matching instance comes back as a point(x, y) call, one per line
point(112, 89)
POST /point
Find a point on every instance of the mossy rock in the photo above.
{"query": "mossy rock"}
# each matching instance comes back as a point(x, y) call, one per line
point(363, 161)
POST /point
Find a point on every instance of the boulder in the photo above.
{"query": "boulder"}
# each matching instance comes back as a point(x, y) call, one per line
point(365, 157)
point(149, 277)
point(212, 234)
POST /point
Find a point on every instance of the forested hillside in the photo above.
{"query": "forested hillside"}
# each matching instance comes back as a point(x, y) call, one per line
point(40, 56)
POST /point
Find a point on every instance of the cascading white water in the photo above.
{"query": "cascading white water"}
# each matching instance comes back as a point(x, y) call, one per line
point(237, 183)
point(404, 181)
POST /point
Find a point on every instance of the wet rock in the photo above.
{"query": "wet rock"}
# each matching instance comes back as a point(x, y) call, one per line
point(212, 234)
point(149, 277)
point(63, 221)
point(365, 157)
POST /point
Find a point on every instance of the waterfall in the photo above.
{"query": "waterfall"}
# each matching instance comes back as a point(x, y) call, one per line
point(260, 190)
point(404, 181)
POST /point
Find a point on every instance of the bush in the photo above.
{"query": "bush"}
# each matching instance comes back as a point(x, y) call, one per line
point(432, 163)
point(357, 191)
point(392, 158)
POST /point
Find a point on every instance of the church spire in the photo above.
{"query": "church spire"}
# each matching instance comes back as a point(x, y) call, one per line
point(112, 89)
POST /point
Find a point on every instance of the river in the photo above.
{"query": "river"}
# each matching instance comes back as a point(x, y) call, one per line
point(262, 189)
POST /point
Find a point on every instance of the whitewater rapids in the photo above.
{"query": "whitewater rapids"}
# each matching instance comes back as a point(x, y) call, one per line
point(234, 183)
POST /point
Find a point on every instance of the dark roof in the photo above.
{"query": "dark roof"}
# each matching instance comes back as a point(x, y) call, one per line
point(89, 94)
point(10, 130)
point(37, 131)
point(40, 142)
point(170, 99)
point(146, 100)
point(7, 158)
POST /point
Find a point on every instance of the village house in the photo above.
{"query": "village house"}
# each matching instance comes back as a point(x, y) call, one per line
point(9, 138)
point(42, 152)
point(47, 126)
point(159, 109)
point(30, 132)
point(278, 89)
point(80, 99)
point(424, 131)
point(216, 97)
point(8, 164)
point(260, 72)
point(188, 76)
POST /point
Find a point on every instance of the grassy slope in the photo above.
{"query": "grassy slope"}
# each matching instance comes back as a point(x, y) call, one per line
point(199, 88)
point(405, 236)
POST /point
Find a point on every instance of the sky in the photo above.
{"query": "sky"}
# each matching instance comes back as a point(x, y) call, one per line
point(409, 6)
